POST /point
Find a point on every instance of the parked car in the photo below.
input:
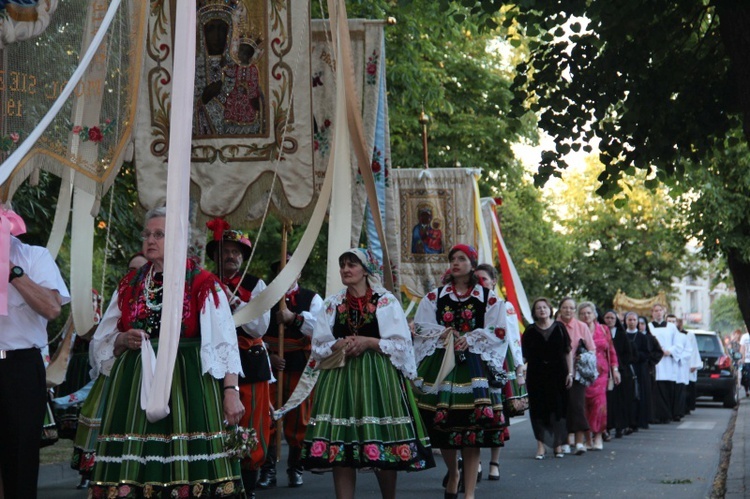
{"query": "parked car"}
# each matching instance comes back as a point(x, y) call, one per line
point(718, 376)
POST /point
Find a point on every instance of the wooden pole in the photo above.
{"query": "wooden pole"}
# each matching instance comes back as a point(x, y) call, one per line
point(280, 374)
point(423, 120)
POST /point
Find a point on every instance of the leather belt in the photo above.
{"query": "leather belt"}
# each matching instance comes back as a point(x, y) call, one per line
point(20, 353)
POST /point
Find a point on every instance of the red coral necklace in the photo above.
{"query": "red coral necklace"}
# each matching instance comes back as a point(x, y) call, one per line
point(461, 296)
point(356, 306)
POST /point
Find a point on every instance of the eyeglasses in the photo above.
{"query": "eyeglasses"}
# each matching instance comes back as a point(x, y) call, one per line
point(158, 235)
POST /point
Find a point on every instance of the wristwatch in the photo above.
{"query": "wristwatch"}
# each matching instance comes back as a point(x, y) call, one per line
point(15, 272)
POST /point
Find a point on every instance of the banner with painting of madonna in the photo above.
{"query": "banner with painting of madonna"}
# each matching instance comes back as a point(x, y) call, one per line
point(436, 212)
point(252, 113)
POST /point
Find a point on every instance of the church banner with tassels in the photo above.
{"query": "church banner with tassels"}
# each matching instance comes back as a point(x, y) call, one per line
point(436, 212)
point(252, 112)
point(42, 45)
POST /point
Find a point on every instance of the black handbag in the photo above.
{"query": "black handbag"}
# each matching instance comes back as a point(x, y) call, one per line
point(495, 378)
point(255, 365)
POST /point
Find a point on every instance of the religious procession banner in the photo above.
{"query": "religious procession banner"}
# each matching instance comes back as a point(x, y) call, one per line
point(622, 303)
point(368, 52)
point(251, 114)
point(89, 134)
point(436, 212)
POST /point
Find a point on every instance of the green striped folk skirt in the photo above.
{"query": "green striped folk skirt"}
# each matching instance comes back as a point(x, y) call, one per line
point(89, 422)
point(466, 411)
point(181, 455)
point(364, 416)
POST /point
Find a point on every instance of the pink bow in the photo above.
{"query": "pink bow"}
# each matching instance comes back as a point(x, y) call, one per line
point(10, 223)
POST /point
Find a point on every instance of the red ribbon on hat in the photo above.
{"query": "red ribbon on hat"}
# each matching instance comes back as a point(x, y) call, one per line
point(218, 225)
point(10, 223)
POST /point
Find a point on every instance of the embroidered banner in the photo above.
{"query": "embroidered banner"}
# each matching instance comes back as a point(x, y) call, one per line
point(368, 52)
point(436, 212)
point(91, 130)
point(251, 114)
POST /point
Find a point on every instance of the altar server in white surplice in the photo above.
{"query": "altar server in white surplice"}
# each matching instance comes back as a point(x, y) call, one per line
point(667, 368)
point(681, 353)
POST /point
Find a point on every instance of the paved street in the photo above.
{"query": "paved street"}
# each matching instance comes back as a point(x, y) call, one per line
point(676, 460)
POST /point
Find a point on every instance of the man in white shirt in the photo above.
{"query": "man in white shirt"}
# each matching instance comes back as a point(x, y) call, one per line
point(36, 293)
point(683, 370)
point(667, 370)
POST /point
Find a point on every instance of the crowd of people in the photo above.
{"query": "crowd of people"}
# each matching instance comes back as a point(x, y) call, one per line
point(591, 378)
point(387, 394)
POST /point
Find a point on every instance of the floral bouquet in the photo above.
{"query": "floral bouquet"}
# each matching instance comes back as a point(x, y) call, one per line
point(240, 442)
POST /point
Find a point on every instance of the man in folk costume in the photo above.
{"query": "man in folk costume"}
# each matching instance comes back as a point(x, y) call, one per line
point(667, 370)
point(229, 252)
point(302, 308)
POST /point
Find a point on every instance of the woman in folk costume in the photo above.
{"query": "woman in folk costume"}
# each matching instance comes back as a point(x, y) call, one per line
point(514, 367)
point(460, 336)
point(183, 454)
point(90, 415)
point(363, 412)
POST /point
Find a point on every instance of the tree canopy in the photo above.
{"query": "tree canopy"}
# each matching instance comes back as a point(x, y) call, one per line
point(659, 86)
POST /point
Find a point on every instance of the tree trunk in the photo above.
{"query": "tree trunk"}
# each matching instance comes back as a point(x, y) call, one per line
point(740, 270)
point(734, 26)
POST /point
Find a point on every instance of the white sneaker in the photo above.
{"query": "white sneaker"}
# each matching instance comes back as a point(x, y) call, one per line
point(566, 449)
point(580, 449)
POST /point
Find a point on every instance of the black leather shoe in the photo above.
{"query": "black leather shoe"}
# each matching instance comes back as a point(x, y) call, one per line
point(295, 477)
point(267, 478)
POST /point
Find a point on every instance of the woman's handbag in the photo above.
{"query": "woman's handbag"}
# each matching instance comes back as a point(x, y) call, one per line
point(585, 366)
point(518, 405)
point(611, 379)
point(495, 378)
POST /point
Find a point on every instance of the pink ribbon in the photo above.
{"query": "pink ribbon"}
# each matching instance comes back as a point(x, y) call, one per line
point(10, 223)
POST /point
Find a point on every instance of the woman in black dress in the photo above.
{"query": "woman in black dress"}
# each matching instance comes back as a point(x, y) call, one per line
point(547, 350)
point(620, 399)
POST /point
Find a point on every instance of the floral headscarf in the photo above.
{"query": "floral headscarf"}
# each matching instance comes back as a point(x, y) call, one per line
point(371, 267)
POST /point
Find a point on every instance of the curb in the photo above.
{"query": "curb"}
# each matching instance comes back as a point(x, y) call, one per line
point(735, 481)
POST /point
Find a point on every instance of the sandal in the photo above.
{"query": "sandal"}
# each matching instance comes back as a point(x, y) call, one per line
point(490, 476)
point(539, 457)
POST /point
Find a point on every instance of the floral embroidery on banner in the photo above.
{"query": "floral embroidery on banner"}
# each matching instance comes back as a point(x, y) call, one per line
point(371, 68)
point(7, 142)
point(95, 133)
point(322, 138)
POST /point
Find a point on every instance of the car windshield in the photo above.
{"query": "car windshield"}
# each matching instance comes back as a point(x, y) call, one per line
point(709, 344)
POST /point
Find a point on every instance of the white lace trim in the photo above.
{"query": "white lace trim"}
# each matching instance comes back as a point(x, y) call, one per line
point(164, 460)
point(321, 349)
point(131, 437)
point(327, 418)
point(447, 386)
point(490, 348)
point(219, 360)
point(401, 356)
point(425, 345)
